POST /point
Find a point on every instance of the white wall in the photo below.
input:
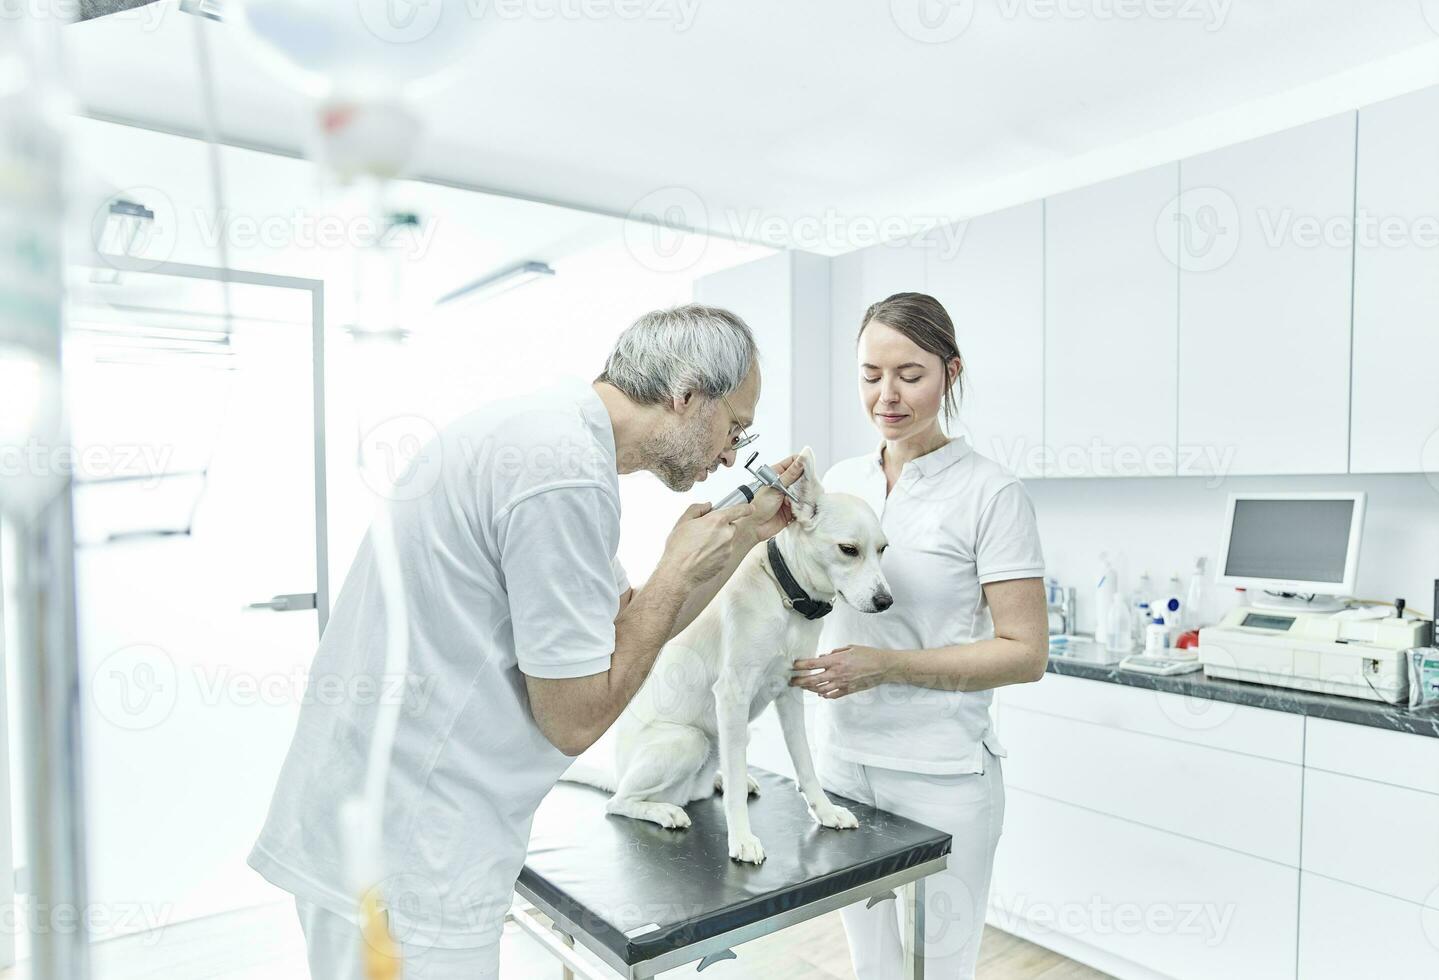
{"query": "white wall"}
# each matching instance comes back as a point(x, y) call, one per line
point(1161, 524)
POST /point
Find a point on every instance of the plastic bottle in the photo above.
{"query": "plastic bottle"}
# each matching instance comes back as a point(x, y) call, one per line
point(1177, 612)
point(1139, 601)
point(1194, 600)
point(1156, 637)
point(1121, 625)
point(1140, 618)
point(1104, 592)
point(1169, 613)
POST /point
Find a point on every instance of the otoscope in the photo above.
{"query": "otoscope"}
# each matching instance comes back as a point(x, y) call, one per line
point(765, 476)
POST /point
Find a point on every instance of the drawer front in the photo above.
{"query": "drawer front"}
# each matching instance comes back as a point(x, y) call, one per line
point(1182, 908)
point(1226, 798)
point(1217, 724)
point(1381, 837)
point(1346, 933)
point(1400, 758)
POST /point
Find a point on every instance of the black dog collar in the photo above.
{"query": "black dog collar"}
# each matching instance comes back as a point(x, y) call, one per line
point(796, 598)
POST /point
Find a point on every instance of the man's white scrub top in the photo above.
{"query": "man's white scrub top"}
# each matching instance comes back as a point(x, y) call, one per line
point(955, 522)
point(507, 553)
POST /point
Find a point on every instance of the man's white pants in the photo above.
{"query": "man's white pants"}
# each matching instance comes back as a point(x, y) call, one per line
point(969, 807)
point(334, 945)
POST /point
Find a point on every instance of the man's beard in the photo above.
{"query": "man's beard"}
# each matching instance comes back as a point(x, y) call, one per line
point(677, 455)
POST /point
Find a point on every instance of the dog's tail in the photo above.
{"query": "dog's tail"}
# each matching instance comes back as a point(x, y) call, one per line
point(590, 775)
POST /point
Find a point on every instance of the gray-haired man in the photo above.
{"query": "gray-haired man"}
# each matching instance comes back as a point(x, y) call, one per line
point(526, 641)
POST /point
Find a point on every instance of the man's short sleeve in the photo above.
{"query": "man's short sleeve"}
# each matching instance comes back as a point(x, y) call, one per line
point(557, 551)
point(1007, 543)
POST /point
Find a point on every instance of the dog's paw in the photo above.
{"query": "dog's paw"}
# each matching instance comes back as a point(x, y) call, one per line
point(836, 817)
point(670, 816)
point(746, 848)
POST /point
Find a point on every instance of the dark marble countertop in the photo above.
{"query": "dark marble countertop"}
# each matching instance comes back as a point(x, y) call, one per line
point(1418, 721)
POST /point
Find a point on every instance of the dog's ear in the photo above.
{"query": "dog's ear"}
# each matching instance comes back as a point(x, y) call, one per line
point(808, 489)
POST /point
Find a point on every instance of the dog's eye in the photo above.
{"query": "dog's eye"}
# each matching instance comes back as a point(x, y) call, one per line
point(883, 548)
point(850, 550)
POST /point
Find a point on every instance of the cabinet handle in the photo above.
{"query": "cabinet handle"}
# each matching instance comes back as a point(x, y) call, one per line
point(294, 602)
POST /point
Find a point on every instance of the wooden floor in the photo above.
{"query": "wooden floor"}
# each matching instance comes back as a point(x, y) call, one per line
point(265, 944)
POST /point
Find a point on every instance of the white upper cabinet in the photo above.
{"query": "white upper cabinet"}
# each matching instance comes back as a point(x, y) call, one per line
point(1111, 303)
point(1264, 303)
point(989, 275)
point(857, 280)
point(1395, 419)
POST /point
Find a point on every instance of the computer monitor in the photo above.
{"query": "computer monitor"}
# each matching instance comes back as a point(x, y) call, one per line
point(1292, 544)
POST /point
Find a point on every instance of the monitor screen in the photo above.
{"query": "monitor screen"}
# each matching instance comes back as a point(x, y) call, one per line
point(1289, 540)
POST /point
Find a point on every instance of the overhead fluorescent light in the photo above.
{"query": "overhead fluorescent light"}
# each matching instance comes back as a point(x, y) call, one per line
point(500, 282)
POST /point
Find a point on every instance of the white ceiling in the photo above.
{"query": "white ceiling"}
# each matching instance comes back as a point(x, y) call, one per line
point(815, 123)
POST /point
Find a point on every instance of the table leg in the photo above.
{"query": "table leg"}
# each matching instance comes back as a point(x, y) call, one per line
point(914, 930)
point(565, 972)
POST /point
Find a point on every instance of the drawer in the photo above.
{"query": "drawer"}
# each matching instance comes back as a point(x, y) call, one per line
point(1346, 933)
point(1382, 837)
point(1239, 801)
point(1182, 908)
point(1400, 758)
point(1217, 724)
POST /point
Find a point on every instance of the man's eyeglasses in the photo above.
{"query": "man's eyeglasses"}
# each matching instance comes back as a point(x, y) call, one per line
point(739, 438)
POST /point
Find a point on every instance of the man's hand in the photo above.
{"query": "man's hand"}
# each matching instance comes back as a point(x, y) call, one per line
point(772, 508)
point(702, 542)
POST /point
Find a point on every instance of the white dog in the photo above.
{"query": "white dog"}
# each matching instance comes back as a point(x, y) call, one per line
point(716, 676)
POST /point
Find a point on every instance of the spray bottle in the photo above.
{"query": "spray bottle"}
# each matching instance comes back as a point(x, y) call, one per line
point(1194, 601)
point(1104, 592)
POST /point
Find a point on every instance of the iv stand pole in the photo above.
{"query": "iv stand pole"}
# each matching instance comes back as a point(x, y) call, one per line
point(49, 686)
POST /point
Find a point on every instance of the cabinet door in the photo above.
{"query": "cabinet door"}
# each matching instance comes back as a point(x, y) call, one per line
point(1111, 303)
point(1153, 904)
point(1264, 303)
point(1347, 932)
point(1394, 427)
point(857, 280)
point(1247, 804)
point(990, 278)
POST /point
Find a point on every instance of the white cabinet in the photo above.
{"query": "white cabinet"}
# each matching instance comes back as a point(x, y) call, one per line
point(1242, 802)
point(1138, 902)
point(1282, 842)
point(1346, 933)
point(1264, 303)
point(1110, 346)
point(1145, 838)
point(1399, 857)
point(856, 281)
point(990, 279)
point(1395, 419)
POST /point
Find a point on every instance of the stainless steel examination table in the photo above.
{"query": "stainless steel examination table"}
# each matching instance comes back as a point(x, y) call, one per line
point(644, 899)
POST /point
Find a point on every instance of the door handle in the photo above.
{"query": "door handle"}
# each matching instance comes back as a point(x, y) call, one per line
point(294, 602)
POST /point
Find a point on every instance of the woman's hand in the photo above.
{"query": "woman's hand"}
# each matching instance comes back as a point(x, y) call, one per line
point(843, 670)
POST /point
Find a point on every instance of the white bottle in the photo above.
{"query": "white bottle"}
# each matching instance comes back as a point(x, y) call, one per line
point(1175, 618)
point(1194, 601)
point(1121, 625)
point(1156, 638)
point(1104, 592)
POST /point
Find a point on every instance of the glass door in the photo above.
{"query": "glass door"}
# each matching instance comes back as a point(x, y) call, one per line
point(196, 410)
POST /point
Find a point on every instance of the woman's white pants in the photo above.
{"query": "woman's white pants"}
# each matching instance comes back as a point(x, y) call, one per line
point(334, 943)
point(969, 807)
